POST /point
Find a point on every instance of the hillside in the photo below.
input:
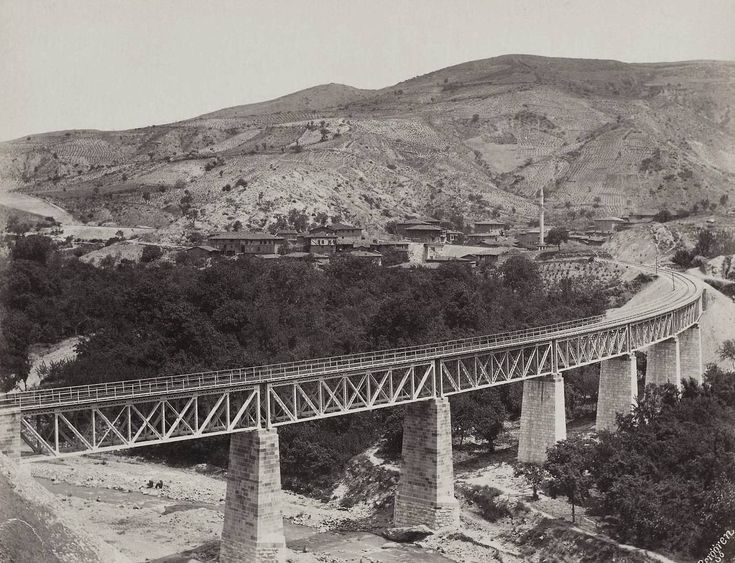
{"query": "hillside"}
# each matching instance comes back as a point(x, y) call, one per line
point(476, 139)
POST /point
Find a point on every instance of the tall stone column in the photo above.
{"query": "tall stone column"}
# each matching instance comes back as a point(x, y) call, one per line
point(618, 390)
point(10, 432)
point(253, 527)
point(690, 354)
point(426, 487)
point(663, 364)
point(543, 419)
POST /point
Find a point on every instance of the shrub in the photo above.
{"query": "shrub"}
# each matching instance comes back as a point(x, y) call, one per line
point(682, 258)
point(486, 499)
point(150, 253)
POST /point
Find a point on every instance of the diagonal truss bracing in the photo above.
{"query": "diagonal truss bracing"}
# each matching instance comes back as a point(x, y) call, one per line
point(495, 368)
point(98, 428)
point(296, 401)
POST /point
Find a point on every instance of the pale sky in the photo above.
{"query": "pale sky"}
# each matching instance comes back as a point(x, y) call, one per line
point(103, 64)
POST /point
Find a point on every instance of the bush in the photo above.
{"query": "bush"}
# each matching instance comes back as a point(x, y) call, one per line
point(682, 258)
point(486, 499)
point(663, 216)
point(150, 253)
point(32, 247)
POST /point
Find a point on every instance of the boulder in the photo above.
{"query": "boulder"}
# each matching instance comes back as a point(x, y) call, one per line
point(408, 533)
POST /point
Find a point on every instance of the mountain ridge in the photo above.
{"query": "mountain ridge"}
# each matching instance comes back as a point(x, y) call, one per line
point(469, 141)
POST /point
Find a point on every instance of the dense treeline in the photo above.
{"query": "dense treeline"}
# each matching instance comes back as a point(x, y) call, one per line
point(710, 243)
point(666, 477)
point(145, 320)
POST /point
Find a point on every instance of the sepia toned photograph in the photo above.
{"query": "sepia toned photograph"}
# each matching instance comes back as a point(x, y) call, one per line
point(367, 281)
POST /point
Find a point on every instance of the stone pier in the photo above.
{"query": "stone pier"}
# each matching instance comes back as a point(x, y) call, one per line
point(663, 363)
point(10, 432)
point(690, 354)
point(253, 527)
point(426, 488)
point(618, 390)
point(543, 419)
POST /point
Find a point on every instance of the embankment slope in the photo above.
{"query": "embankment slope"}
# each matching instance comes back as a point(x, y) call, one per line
point(35, 527)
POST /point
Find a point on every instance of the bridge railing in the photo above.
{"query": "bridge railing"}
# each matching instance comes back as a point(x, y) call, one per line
point(260, 374)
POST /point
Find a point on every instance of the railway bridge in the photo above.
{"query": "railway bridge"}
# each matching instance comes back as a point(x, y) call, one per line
point(251, 403)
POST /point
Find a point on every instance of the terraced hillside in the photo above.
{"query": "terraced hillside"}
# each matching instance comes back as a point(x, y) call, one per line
point(476, 140)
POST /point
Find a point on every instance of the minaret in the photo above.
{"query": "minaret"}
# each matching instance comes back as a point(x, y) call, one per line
point(541, 220)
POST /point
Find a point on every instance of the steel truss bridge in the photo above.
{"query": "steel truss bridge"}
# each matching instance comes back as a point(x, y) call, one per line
point(61, 422)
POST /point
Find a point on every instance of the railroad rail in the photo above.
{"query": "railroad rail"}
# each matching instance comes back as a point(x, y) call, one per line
point(109, 416)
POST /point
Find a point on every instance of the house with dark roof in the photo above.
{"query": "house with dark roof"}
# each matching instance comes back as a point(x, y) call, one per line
point(341, 230)
point(374, 257)
point(403, 226)
point(246, 243)
point(425, 233)
point(493, 228)
point(322, 243)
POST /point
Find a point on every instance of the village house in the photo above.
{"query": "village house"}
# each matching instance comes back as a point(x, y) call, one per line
point(530, 237)
point(609, 224)
point(340, 230)
point(374, 257)
point(492, 228)
point(246, 243)
point(453, 237)
point(402, 227)
point(321, 243)
point(485, 256)
point(294, 240)
point(425, 233)
point(380, 245)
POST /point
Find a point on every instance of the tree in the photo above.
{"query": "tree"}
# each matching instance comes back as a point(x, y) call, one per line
point(534, 475)
point(683, 258)
point(478, 414)
point(520, 274)
point(16, 226)
point(557, 235)
point(568, 465)
point(150, 253)
point(32, 247)
point(726, 351)
point(321, 218)
point(663, 216)
point(237, 226)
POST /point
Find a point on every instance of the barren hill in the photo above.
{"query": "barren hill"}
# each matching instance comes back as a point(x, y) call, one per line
point(473, 140)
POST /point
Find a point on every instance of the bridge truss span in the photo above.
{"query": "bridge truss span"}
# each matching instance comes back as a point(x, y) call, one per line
point(122, 415)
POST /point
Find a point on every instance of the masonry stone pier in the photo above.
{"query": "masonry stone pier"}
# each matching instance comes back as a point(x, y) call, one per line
point(10, 432)
point(543, 418)
point(618, 390)
point(253, 527)
point(690, 353)
point(663, 363)
point(426, 488)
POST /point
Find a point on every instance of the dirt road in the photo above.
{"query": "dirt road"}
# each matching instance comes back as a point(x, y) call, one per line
point(15, 200)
